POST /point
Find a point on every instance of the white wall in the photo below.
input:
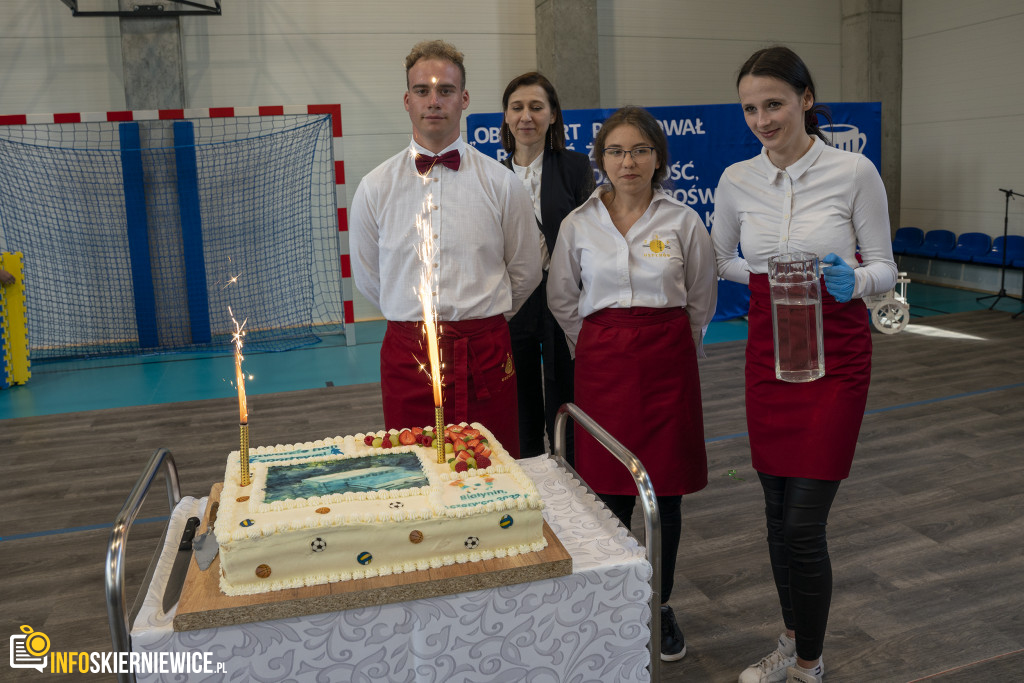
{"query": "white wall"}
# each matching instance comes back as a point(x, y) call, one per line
point(963, 99)
point(52, 62)
point(667, 52)
point(963, 114)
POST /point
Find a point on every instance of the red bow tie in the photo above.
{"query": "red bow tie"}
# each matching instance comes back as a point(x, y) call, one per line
point(450, 159)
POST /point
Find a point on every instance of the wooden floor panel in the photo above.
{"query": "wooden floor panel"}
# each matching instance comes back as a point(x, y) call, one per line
point(925, 536)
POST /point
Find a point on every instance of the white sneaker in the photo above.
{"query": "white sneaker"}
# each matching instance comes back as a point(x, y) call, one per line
point(773, 668)
point(798, 674)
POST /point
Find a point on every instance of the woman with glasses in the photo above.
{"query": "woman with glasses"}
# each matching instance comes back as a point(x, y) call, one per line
point(633, 285)
point(801, 194)
point(558, 180)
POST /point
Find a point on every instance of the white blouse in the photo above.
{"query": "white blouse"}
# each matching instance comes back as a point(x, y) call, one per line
point(829, 200)
point(665, 260)
point(530, 176)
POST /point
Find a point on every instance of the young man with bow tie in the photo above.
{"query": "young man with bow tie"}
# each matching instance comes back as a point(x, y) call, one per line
point(486, 257)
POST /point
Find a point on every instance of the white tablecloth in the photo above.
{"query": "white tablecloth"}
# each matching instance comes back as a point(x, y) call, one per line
point(592, 625)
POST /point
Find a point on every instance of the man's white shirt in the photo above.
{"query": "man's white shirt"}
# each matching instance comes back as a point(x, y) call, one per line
point(482, 226)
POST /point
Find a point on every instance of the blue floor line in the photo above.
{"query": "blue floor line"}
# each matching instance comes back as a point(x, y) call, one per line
point(944, 398)
point(714, 439)
point(727, 437)
point(75, 529)
point(899, 406)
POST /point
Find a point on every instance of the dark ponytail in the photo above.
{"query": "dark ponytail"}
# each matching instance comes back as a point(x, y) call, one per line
point(811, 124)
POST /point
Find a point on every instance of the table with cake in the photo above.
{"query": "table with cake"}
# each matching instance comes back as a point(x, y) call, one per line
point(382, 556)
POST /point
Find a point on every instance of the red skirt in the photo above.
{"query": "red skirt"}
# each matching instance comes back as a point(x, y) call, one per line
point(808, 429)
point(478, 377)
point(636, 376)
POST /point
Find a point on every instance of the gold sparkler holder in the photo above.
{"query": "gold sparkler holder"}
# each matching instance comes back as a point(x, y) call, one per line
point(243, 454)
point(439, 434)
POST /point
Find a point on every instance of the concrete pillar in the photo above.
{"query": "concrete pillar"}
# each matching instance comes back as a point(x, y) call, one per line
point(154, 79)
point(154, 74)
point(872, 71)
point(567, 50)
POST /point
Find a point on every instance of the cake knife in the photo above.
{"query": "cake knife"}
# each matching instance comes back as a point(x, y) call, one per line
point(177, 578)
point(205, 545)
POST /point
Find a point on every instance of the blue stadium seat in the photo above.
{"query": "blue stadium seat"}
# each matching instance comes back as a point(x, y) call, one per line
point(969, 245)
point(994, 256)
point(907, 237)
point(935, 241)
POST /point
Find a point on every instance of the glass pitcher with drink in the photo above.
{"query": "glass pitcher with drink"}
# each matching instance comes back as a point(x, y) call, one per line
point(796, 316)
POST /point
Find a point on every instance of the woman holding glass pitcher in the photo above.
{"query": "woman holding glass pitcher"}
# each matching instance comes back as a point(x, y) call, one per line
point(800, 194)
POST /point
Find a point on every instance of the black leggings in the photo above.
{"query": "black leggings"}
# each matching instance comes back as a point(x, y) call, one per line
point(797, 512)
point(671, 511)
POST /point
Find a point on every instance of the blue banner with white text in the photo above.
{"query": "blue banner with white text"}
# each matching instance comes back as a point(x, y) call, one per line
point(703, 140)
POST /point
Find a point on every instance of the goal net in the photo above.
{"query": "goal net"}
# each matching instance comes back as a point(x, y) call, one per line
point(140, 236)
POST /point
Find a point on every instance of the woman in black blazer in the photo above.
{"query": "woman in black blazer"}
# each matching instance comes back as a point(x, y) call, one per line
point(558, 180)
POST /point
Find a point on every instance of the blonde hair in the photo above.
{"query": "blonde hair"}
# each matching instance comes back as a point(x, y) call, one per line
point(435, 49)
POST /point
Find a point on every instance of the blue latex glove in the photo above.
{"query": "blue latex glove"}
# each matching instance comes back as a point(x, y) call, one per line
point(839, 278)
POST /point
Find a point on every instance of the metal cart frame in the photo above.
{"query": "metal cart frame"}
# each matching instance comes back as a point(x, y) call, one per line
point(117, 610)
point(117, 606)
point(652, 516)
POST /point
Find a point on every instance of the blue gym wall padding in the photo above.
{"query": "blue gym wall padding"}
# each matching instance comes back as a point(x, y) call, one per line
point(138, 235)
point(192, 231)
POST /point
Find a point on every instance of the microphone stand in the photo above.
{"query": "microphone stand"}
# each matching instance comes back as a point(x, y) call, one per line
point(1010, 194)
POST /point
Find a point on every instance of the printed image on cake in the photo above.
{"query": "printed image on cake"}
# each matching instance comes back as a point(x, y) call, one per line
point(385, 472)
point(371, 505)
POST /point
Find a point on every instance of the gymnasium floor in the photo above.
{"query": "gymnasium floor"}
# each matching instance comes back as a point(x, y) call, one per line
point(925, 535)
point(71, 386)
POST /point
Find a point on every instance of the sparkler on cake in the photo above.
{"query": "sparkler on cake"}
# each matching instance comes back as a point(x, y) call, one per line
point(427, 293)
point(243, 409)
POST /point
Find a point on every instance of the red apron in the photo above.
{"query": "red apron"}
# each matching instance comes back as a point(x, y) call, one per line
point(478, 377)
point(807, 429)
point(636, 376)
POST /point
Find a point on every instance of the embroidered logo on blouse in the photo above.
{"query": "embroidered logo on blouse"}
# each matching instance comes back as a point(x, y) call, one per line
point(656, 248)
point(510, 368)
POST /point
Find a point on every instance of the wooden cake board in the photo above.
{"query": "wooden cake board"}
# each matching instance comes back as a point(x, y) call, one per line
point(203, 605)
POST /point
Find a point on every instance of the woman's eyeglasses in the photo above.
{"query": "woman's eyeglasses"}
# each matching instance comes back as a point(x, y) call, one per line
point(638, 153)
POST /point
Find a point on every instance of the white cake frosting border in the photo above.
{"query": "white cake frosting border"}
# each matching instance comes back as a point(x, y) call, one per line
point(265, 586)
